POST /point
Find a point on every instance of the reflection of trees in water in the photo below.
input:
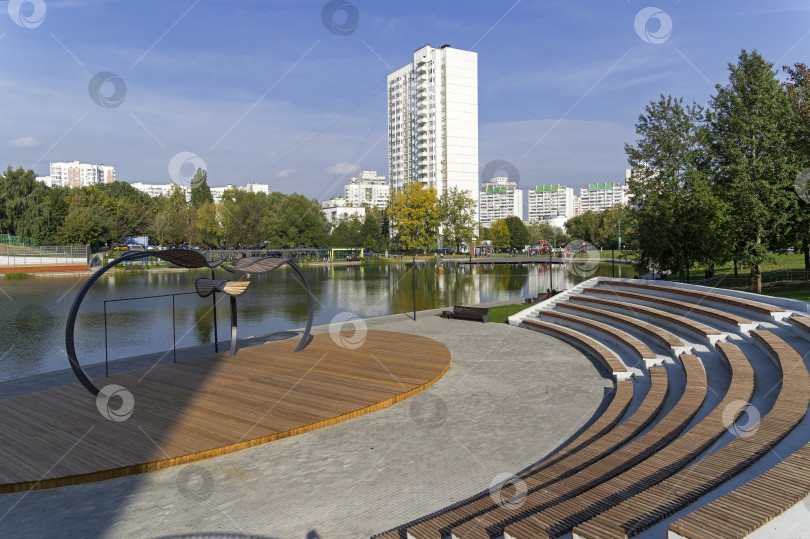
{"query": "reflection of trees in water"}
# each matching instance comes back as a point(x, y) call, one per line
point(505, 278)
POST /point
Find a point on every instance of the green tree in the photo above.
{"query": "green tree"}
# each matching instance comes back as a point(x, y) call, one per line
point(414, 212)
point(244, 218)
point(518, 235)
point(457, 210)
point(543, 230)
point(500, 234)
point(798, 88)
point(84, 225)
point(200, 192)
point(372, 230)
point(584, 226)
point(348, 232)
point(208, 224)
point(751, 123)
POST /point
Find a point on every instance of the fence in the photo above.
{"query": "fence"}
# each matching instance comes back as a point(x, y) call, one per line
point(15, 240)
point(744, 280)
point(17, 255)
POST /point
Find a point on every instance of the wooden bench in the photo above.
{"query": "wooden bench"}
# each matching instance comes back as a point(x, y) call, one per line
point(499, 519)
point(762, 499)
point(562, 518)
point(702, 330)
point(662, 336)
point(480, 314)
point(641, 350)
point(740, 303)
point(683, 488)
point(802, 324)
point(439, 524)
point(722, 316)
point(593, 348)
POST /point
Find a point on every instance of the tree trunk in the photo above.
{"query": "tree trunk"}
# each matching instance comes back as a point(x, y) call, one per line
point(806, 257)
point(756, 279)
point(735, 268)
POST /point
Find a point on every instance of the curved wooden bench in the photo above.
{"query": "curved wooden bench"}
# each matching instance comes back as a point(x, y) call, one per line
point(692, 326)
point(722, 316)
point(561, 518)
point(438, 524)
point(802, 324)
point(662, 336)
point(763, 498)
point(622, 396)
point(740, 303)
point(676, 492)
point(598, 351)
point(493, 523)
point(641, 350)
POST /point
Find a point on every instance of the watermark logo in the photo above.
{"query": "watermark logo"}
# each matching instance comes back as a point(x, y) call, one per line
point(508, 491)
point(27, 13)
point(340, 17)
point(653, 25)
point(582, 258)
point(733, 415)
point(105, 403)
point(107, 90)
point(195, 483)
point(428, 411)
point(802, 185)
point(183, 166)
point(492, 168)
point(356, 334)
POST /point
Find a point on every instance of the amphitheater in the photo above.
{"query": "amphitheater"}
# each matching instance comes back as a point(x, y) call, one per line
point(705, 433)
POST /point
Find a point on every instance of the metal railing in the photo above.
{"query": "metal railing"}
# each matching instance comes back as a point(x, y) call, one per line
point(18, 255)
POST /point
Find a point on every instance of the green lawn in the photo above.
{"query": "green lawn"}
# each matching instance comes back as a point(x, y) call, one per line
point(779, 262)
point(502, 313)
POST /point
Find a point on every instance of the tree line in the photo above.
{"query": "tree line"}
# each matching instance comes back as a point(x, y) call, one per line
point(720, 183)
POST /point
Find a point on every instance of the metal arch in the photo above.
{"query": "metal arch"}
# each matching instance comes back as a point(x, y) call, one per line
point(70, 326)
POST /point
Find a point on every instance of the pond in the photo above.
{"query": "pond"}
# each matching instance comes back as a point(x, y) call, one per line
point(32, 321)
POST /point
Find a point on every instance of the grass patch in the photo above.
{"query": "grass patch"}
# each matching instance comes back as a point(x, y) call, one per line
point(800, 291)
point(502, 313)
point(16, 276)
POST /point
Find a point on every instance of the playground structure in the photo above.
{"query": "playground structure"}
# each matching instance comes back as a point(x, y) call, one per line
point(484, 248)
point(542, 247)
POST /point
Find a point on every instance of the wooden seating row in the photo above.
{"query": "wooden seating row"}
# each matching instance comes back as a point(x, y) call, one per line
point(502, 518)
point(722, 316)
point(440, 525)
point(766, 496)
point(702, 330)
point(740, 303)
point(802, 323)
point(562, 518)
point(681, 489)
point(665, 338)
point(641, 350)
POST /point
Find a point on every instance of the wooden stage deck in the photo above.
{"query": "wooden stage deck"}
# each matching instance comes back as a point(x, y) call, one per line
point(209, 406)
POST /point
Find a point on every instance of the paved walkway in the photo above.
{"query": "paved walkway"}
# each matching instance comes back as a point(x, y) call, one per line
point(511, 396)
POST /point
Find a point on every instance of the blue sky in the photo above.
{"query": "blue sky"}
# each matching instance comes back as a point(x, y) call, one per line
point(261, 90)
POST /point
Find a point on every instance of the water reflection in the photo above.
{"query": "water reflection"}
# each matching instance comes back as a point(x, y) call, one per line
point(34, 311)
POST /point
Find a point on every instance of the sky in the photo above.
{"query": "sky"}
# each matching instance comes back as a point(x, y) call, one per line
point(293, 93)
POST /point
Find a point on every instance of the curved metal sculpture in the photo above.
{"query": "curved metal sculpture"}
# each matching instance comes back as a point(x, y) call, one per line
point(185, 259)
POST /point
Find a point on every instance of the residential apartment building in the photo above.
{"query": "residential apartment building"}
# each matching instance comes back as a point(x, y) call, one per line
point(601, 196)
point(76, 174)
point(367, 188)
point(547, 202)
point(158, 189)
point(499, 198)
point(433, 121)
point(337, 208)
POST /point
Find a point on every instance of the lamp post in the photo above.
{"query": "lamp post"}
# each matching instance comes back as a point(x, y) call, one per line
point(550, 275)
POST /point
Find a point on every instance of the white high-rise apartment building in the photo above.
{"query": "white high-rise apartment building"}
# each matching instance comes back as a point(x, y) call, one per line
point(601, 196)
point(75, 174)
point(499, 198)
point(547, 202)
point(433, 121)
point(336, 209)
point(367, 188)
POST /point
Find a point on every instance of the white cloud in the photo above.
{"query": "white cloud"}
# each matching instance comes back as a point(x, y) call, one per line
point(342, 168)
point(286, 173)
point(24, 142)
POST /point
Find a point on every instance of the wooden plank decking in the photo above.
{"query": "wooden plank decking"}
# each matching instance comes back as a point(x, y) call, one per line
point(211, 405)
